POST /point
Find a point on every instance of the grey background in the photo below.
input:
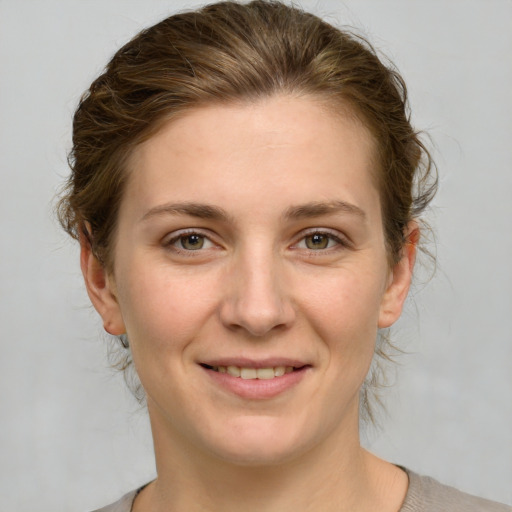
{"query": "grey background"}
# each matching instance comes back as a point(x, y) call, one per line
point(72, 438)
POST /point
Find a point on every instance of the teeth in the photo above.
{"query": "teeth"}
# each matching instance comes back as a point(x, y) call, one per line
point(254, 373)
point(265, 373)
point(234, 371)
point(248, 373)
point(279, 371)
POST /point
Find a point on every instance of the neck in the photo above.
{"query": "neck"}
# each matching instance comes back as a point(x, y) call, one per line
point(337, 476)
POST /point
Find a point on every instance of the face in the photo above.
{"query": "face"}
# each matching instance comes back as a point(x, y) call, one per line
point(251, 276)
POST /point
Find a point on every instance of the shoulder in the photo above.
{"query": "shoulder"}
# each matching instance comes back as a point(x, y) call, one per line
point(424, 495)
point(122, 505)
point(427, 495)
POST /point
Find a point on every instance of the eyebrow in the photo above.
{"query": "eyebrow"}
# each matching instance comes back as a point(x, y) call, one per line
point(206, 211)
point(199, 210)
point(317, 209)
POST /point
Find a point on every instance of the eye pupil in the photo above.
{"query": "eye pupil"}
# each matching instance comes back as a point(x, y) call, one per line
point(192, 242)
point(317, 241)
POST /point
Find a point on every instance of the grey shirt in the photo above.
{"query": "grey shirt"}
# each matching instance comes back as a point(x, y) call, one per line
point(424, 495)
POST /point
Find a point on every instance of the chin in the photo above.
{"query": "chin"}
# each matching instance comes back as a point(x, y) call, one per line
point(260, 442)
point(257, 455)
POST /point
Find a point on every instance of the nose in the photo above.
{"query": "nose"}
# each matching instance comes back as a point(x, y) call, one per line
point(257, 299)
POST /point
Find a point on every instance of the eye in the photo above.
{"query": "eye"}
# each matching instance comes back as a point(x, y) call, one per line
point(190, 242)
point(320, 240)
point(317, 241)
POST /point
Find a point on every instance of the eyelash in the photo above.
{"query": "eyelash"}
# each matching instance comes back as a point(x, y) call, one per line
point(182, 235)
point(340, 242)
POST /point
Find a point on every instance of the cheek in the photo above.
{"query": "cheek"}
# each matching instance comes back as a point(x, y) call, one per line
point(162, 309)
point(352, 295)
point(344, 311)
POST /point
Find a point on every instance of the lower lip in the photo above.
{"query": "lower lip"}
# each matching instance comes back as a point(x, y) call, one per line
point(257, 389)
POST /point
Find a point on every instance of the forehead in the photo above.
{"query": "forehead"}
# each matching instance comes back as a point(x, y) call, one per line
point(291, 145)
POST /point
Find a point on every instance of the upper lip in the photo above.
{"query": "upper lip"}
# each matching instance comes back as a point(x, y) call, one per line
point(244, 362)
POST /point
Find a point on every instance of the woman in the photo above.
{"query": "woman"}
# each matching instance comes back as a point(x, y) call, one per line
point(246, 191)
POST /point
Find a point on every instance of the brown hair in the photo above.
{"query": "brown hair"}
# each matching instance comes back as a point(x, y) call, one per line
point(229, 52)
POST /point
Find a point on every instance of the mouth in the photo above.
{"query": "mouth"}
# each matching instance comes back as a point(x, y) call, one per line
point(256, 380)
point(251, 373)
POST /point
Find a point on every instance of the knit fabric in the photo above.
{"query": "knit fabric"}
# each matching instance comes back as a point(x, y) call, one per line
point(424, 495)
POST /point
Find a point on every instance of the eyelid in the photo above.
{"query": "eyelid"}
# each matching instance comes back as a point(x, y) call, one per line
point(342, 240)
point(170, 239)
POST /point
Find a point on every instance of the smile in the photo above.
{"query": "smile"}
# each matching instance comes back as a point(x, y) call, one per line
point(252, 373)
point(256, 380)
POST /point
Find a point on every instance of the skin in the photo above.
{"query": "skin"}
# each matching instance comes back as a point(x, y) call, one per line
point(294, 267)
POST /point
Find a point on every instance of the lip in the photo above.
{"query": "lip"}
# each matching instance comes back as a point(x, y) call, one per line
point(245, 362)
point(256, 389)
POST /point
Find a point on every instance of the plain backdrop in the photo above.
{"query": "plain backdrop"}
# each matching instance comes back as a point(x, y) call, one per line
point(72, 438)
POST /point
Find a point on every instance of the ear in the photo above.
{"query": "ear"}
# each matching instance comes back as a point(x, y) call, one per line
point(100, 288)
point(400, 279)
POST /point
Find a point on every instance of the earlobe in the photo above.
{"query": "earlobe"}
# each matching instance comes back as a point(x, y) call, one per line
point(400, 280)
point(100, 288)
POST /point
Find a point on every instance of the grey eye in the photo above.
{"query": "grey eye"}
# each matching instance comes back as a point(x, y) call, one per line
point(192, 242)
point(317, 241)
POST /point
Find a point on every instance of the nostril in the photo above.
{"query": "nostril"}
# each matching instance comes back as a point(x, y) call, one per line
point(255, 302)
